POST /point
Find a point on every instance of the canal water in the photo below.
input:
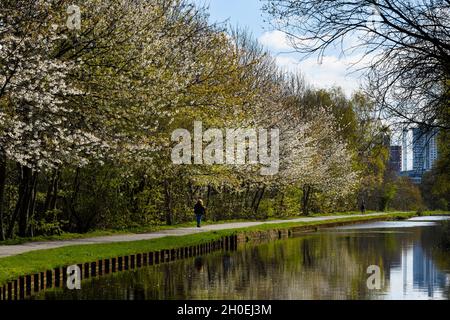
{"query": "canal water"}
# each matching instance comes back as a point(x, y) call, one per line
point(413, 258)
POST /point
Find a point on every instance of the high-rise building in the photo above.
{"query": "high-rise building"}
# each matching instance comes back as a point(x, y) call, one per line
point(425, 150)
point(395, 158)
point(405, 150)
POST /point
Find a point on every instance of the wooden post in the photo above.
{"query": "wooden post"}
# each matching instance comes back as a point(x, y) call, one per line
point(93, 269)
point(156, 253)
point(28, 285)
point(10, 291)
point(107, 266)
point(36, 282)
point(113, 264)
point(121, 264)
point(43, 281)
point(151, 258)
point(86, 270)
point(166, 256)
point(64, 277)
point(16, 289)
point(144, 259)
point(21, 288)
point(100, 267)
point(139, 260)
point(81, 271)
point(57, 272)
point(126, 262)
point(132, 261)
point(49, 278)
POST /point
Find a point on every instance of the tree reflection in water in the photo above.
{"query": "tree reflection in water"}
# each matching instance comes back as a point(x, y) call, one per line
point(325, 265)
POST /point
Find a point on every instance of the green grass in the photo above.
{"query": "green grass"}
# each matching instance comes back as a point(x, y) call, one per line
point(37, 261)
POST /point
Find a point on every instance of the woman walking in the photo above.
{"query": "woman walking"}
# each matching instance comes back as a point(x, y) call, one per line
point(199, 211)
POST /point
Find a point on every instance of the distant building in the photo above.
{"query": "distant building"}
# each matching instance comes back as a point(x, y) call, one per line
point(413, 175)
point(425, 150)
point(424, 153)
point(395, 158)
point(405, 150)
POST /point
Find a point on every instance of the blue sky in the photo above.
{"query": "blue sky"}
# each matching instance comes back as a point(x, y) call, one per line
point(243, 13)
point(333, 69)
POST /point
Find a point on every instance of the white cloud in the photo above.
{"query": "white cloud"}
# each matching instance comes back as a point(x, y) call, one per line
point(276, 40)
point(279, 41)
point(334, 69)
point(331, 71)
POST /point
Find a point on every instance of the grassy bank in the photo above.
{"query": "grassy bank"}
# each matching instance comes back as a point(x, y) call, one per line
point(37, 261)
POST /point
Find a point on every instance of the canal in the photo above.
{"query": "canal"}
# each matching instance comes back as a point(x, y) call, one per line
point(413, 258)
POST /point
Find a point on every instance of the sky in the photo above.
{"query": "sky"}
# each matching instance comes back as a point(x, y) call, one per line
point(334, 69)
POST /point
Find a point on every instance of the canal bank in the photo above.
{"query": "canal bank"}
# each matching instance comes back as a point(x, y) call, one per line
point(31, 272)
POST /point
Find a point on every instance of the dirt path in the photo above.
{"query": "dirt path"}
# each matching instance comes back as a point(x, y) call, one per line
point(11, 250)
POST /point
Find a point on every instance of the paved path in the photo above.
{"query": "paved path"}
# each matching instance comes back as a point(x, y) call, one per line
point(11, 250)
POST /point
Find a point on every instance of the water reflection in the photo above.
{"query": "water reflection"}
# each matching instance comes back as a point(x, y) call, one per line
point(327, 265)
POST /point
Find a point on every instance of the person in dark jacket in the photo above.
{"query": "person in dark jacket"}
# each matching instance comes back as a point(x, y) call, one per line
point(199, 211)
point(363, 207)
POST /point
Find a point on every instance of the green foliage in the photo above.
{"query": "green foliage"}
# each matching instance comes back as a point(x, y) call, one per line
point(435, 185)
point(407, 196)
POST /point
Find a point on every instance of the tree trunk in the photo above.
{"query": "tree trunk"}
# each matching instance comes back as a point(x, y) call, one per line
point(168, 203)
point(52, 190)
point(282, 204)
point(243, 204)
point(24, 204)
point(261, 194)
point(54, 197)
point(255, 198)
point(71, 202)
point(305, 199)
point(208, 199)
point(20, 201)
point(208, 195)
point(29, 183)
point(2, 192)
point(31, 209)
